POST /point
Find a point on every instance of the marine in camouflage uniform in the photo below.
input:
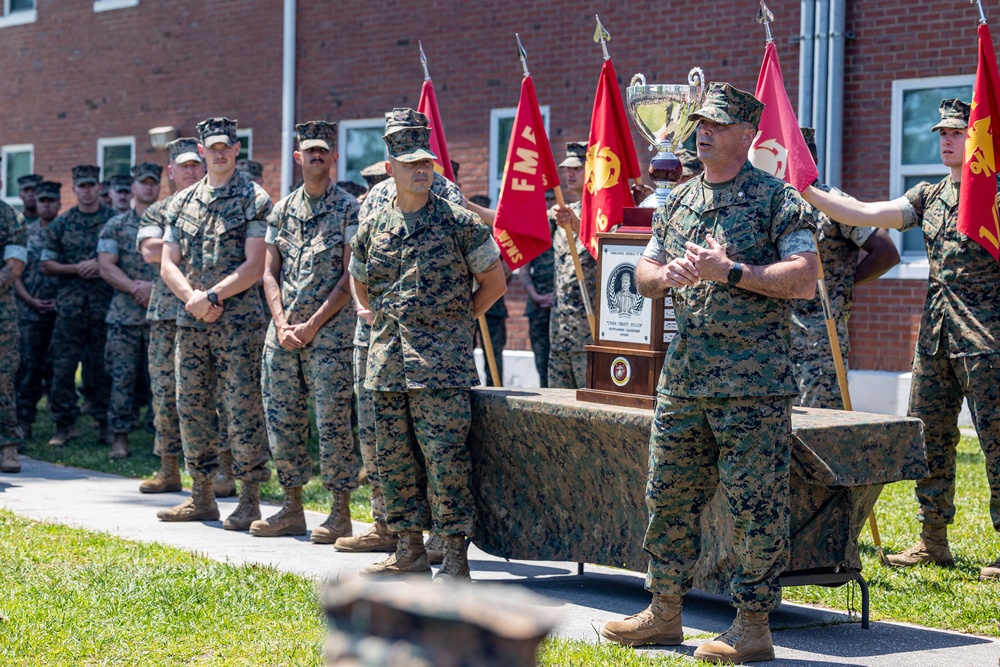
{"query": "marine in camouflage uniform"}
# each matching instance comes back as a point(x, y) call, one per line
point(307, 352)
point(36, 310)
point(381, 193)
point(723, 412)
point(27, 190)
point(213, 255)
point(122, 265)
point(82, 302)
point(958, 343)
point(14, 254)
point(415, 269)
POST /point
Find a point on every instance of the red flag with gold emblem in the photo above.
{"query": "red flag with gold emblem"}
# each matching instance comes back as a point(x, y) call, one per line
point(977, 199)
point(428, 105)
point(779, 148)
point(521, 228)
point(611, 162)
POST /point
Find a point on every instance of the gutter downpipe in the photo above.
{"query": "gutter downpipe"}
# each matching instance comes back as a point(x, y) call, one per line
point(820, 83)
point(835, 99)
point(287, 96)
point(807, 37)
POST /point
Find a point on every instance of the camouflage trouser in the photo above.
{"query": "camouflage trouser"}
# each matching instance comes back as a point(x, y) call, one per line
point(815, 372)
point(10, 431)
point(203, 357)
point(939, 384)
point(34, 375)
point(366, 431)
point(741, 445)
point(163, 384)
point(74, 340)
point(288, 379)
point(497, 326)
point(567, 369)
point(538, 333)
point(125, 361)
point(423, 461)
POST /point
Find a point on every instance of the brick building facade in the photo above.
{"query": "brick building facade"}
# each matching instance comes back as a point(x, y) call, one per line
point(83, 75)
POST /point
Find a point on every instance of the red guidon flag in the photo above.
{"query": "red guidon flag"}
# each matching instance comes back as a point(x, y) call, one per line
point(977, 199)
point(521, 227)
point(428, 105)
point(611, 162)
point(779, 148)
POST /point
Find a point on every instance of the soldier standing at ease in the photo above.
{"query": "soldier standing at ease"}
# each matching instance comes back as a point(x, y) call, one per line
point(14, 254)
point(959, 337)
point(307, 352)
point(415, 259)
point(82, 302)
point(839, 247)
point(123, 268)
point(36, 293)
point(734, 245)
point(26, 190)
point(569, 328)
point(120, 191)
point(213, 255)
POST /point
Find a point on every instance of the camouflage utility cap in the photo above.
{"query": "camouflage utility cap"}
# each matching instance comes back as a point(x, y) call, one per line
point(48, 190)
point(184, 150)
point(86, 173)
point(374, 173)
point(121, 183)
point(954, 115)
point(728, 106)
point(410, 145)
point(403, 119)
point(317, 133)
point(29, 181)
point(352, 188)
point(144, 170)
point(809, 134)
point(576, 154)
point(251, 168)
point(689, 161)
point(218, 130)
point(105, 186)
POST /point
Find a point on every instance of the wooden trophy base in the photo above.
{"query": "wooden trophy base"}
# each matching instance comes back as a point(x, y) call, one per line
point(620, 376)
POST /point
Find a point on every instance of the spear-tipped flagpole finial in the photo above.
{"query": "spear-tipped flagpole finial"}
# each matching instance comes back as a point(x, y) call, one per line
point(522, 55)
point(765, 17)
point(423, 61)
point(982, 15)
point(602, 36)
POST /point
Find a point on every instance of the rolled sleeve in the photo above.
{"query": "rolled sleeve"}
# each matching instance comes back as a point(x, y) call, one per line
point(272, 235)
point(15, 252)
point(796, 243)
point(50, 256)
point(358, 269)
point(170, 235)
point(350, 232)
point(482, 258)
point(149, 232)
point(654, 251)
point(256, 229)
point(911, 218)
point(109, 246)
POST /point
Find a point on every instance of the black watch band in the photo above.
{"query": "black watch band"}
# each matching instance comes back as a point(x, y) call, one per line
point(735, 275)
point(212, 297)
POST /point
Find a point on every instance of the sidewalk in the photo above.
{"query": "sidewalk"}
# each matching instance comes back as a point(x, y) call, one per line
point(804, 636)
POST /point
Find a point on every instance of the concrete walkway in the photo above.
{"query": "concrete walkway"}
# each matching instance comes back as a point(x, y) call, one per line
point(804, 636)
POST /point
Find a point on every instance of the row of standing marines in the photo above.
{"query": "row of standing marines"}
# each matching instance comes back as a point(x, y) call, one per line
point(413, 253)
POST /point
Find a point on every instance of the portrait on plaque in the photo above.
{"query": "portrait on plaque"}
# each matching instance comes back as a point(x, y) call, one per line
point(625, 314)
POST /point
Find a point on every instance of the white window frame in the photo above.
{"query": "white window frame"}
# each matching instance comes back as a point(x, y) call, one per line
point(6, 152)
point(912, 267)
point(110, 5)
point(20, 17)
point(496, 115)
point(107, 142)
point(245, 136)
point(353, 124)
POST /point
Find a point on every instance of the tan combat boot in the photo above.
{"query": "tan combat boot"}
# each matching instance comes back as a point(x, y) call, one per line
point(290, 519)
point(991, 572)
point(376, 538)
point(9, 460)
point(199, 507)
point(456, 559)
point(659, 623)
point(410, 557)
point(435, 549)
point(60, 437)
point(932, 547)
point(338, 524)
point(748, 639)
point(166, 480)
point(120, 447)
point(247, 510)
point(225, 483)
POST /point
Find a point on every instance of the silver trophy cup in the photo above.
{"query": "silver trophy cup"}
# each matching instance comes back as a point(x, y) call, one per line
point(660, 113)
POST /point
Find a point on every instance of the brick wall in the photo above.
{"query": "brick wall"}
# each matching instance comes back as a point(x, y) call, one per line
point(884, 322)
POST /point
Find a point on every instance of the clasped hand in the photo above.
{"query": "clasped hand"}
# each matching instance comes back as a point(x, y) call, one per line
point(698, 264)
point(199, 306)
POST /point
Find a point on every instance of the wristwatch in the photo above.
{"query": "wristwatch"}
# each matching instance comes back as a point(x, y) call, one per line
point(213, 298)
point(735, 275)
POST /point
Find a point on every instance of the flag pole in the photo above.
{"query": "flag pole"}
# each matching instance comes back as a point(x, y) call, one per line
point(423, 61)
point(491, 359)
point(765, 17)
point(602, 36)
point(570, 236)
point(979, 6)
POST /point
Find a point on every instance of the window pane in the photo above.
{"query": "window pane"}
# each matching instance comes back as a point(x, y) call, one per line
point(20, 5)
point(504, 127)
point(246, 145)
point(913, 240)
point(117, 160)
point(362, 146)
point(16, 165)
point(920, 110)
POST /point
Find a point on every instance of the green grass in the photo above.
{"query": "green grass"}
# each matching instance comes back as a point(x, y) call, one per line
point(74, 597)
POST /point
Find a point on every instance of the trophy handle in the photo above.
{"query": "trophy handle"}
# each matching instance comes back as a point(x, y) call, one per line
point(641, 79)
point(696, 77)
